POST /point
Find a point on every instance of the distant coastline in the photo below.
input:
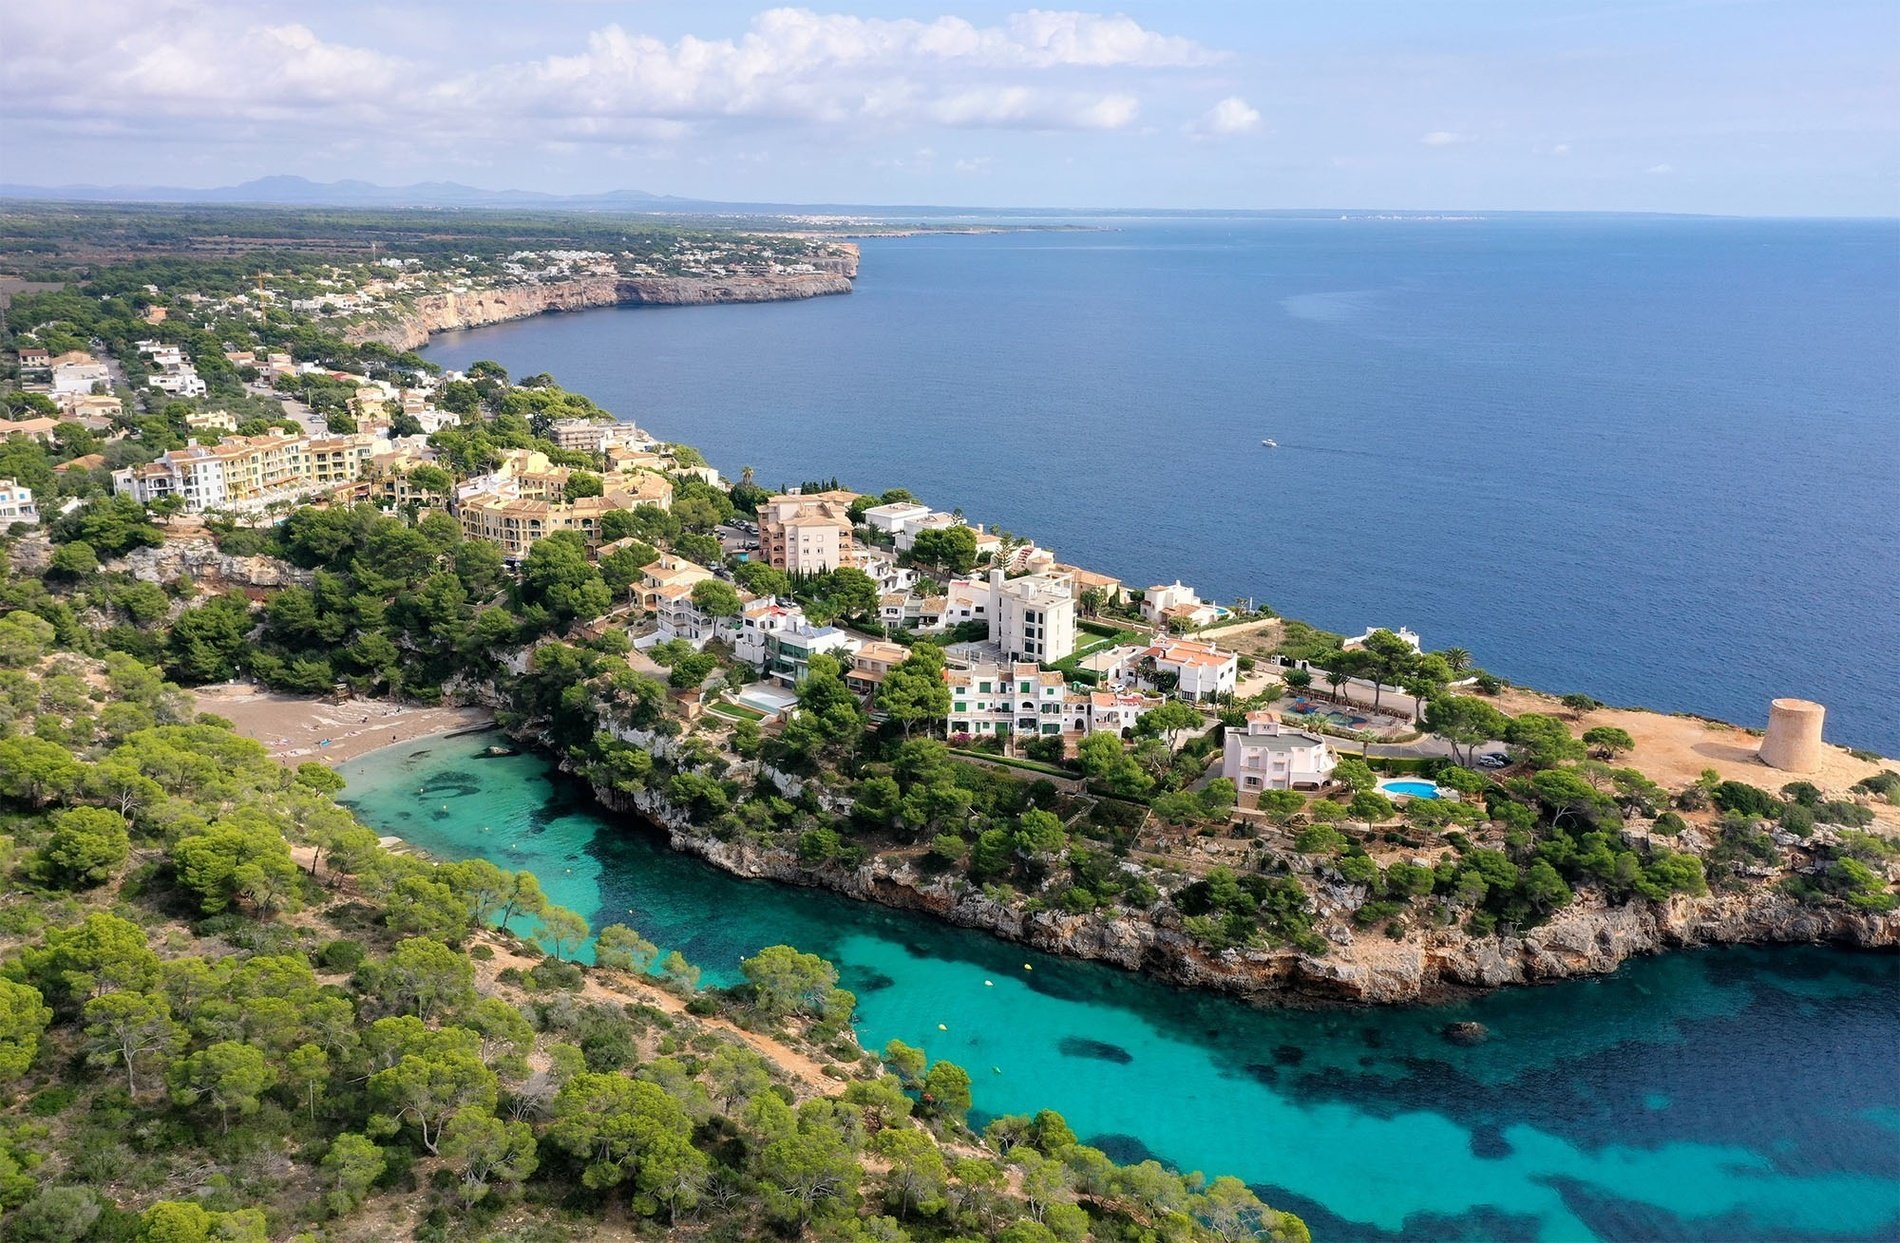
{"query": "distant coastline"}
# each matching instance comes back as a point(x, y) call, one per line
point(450, 312)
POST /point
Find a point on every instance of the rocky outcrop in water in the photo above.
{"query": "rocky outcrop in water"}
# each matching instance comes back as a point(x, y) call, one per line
point(1581, 941)
point(447, 312)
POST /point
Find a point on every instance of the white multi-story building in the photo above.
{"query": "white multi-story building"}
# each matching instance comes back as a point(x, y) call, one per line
point(967, 600)
point(1202, 671)
point(1266, 755)
point(593, 435)
point(17, 505)
point(1020, 698)
point(1026, 699)
point(1035, 617)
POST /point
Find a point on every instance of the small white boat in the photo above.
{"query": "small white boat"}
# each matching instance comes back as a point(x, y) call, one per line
point(1271, 444)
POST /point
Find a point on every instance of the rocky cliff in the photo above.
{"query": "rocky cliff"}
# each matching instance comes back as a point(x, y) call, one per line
point(200, 560)
point(447, 312)
point(1583, 940)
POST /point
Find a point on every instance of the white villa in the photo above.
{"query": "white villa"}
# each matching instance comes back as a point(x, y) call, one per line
point(780, 641)
point(1202, 671)
point(1177, 604)
point(17, 504)
point(892, 518)
point(1267, 755)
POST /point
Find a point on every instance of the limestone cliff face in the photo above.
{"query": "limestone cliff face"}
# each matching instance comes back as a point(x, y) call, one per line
point(1582, 941)
point(202, 562)
point(447, 312)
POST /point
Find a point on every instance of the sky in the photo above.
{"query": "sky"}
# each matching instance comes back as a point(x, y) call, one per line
point(1754, 107)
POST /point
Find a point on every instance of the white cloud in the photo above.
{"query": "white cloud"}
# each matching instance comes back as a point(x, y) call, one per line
point(1227, 118)
point(1445, 138)
point(797, 65)
point(1660, 169)
point(975, 166)
point(215, 61)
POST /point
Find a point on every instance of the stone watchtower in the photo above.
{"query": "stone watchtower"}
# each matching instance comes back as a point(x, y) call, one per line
point(1793, 741)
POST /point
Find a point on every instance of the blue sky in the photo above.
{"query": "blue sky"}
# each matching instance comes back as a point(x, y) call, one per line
point(1739, 106)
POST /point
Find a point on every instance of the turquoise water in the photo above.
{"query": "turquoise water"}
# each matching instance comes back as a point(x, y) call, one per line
point(1416, 789)
point(1718, 1096)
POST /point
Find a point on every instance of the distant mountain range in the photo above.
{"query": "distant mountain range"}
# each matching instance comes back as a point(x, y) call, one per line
point(302, 192)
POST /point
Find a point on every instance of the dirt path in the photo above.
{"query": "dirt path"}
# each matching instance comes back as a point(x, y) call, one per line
point(806, 1072)
point(1673, 750)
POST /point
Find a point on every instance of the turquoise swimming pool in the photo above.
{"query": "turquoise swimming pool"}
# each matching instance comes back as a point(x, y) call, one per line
point(1411, 787)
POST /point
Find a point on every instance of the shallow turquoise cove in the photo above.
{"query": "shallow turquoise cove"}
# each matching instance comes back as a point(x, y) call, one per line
point(1714, 1096)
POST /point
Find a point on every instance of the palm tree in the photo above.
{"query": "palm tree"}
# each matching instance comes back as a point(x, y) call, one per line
point(1458, 658)
point(1335, 678)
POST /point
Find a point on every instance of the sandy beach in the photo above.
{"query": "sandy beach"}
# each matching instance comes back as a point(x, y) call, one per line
point(297, 728)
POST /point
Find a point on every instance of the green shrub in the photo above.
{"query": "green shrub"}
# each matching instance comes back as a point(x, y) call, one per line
point(343, 956)
point(1747, 799)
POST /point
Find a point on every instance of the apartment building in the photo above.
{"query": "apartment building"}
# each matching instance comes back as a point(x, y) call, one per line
point(1017, 698)
point(806, 534)
point(515, 525)
point(1035, 617)
point(593, 435)
point(248, 472)
point(680, 618)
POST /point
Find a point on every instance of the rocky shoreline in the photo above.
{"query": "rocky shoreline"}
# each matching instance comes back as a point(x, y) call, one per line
point(1584, 940)
point(449, 312)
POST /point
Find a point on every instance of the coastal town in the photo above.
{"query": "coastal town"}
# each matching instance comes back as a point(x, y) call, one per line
point(778, 630)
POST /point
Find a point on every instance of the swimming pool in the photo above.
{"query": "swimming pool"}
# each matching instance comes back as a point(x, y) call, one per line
point(1411, 787)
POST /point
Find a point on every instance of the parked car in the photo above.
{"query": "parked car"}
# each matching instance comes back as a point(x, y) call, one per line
point(1493, 759)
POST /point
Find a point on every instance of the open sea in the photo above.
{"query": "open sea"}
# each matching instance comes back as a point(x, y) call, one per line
point(1656, 460)
point(1710, 1097)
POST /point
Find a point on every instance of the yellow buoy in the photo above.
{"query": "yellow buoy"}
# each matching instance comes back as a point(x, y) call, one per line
point(989, 984)
point(942, 1028)
point(1027, 967)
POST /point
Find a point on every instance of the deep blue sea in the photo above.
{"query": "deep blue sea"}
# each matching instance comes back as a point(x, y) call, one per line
point(1652, 459)
point(1716, 1097)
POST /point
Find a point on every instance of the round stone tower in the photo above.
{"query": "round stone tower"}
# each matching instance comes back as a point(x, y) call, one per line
point(1793, 740)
